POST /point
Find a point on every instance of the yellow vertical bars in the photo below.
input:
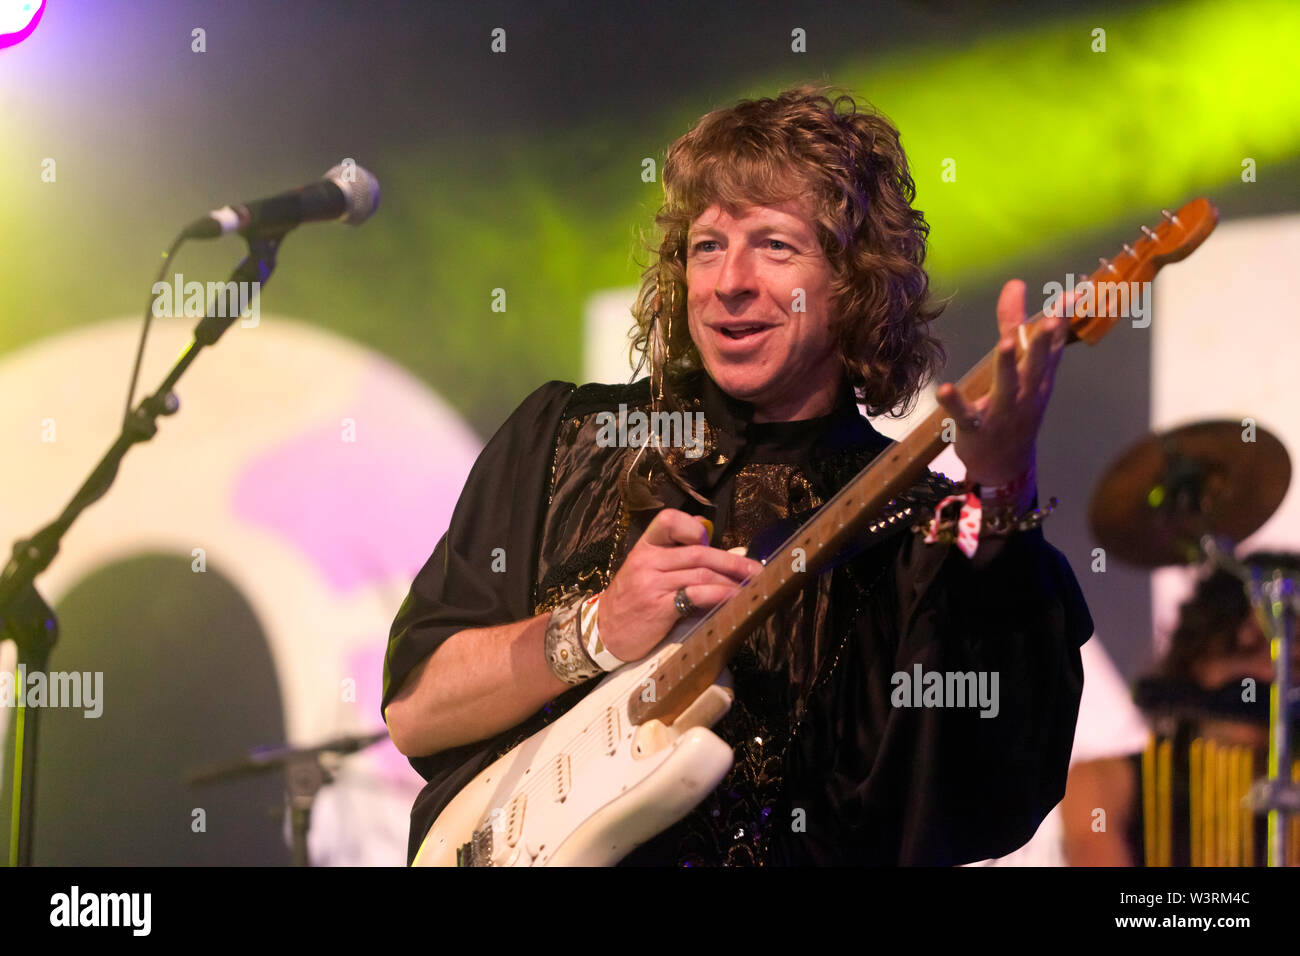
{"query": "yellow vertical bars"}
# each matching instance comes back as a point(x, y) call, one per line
point(1220, 824)
point(1196, 800)
point(1293, 844)
point(1222, 849)
point(1231, 818)
point(1164, 797)
point(1157, 806)
point(1222, 827)
point(1232, 806)
point(1245, 780)
point(1149, 803)
point(1210, 851)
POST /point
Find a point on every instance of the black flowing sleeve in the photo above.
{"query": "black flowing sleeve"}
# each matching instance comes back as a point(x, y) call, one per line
point(481, 572)
point(917, 777)
point(984, 775)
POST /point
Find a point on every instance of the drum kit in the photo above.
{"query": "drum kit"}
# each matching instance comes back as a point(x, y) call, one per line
point(1188, 497)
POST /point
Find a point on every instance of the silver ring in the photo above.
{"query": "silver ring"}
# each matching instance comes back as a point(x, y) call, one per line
point(683, 604)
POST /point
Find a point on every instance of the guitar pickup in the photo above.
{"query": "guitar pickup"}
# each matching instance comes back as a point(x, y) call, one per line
point(562, 777)
point(610, 727)
point(515, 819)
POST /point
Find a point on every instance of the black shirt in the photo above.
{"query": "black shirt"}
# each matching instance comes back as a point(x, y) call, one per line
point(831, 766)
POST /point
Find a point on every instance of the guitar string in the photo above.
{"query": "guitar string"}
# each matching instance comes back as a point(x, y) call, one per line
point(593, 735)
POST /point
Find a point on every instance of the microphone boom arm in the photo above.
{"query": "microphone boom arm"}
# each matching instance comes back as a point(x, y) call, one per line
point(25, 618)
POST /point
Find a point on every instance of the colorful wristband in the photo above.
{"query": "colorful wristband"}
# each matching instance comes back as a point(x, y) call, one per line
point(967, 533)
point(1008, 489)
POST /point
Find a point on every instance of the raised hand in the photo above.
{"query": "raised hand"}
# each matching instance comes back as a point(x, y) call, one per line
point(997, 434)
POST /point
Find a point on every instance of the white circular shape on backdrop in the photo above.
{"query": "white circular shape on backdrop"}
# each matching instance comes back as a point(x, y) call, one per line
point(315, 474)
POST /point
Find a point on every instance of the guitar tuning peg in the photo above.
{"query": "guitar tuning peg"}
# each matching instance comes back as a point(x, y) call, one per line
point(1128, 248)
point(1170, 216)
point(1105, 263)
point(1148, 233)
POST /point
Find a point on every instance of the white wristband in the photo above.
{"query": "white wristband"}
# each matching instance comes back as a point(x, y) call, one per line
point(591, 636)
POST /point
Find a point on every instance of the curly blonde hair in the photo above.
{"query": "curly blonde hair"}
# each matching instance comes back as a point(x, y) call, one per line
point(813, 143)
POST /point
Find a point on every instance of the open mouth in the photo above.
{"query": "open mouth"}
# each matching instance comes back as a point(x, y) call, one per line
point(745, 332)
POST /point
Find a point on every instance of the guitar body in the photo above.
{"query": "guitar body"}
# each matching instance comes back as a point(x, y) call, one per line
point(589, 788)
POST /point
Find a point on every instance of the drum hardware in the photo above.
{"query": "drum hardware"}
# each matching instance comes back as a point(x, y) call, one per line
point(1187, 497)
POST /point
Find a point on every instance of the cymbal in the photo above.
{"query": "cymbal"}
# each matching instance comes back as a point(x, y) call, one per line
point(1155, 502)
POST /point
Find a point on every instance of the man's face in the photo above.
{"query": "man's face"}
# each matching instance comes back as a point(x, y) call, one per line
point(758, 305)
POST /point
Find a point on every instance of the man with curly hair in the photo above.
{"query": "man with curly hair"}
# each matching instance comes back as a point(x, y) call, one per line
point(787, 287)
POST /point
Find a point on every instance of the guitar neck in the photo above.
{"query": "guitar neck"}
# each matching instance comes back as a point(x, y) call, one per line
point(700, 658)
point(710, 646)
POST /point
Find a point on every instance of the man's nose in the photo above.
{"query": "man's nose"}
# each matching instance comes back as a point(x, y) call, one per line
point(737, 275)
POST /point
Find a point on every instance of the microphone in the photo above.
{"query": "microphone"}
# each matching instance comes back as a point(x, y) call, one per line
point(347, 192)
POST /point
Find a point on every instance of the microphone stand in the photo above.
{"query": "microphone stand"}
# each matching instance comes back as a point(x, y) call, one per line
point(305, 775)
point(25, 617)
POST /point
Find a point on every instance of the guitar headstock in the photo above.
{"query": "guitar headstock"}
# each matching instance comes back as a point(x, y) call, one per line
point(1176, 238)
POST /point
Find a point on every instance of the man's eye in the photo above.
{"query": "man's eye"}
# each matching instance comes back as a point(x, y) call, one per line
point(781, 246)
point(699, 246)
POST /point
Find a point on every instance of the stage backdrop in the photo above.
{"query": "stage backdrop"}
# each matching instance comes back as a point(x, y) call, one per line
point(519, 150)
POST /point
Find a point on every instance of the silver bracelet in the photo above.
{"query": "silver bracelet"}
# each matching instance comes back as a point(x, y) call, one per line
point(568, 659)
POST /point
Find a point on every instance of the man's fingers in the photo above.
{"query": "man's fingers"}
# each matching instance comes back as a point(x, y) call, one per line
point(696, 577)
point(1006, 380)
point(1053, 361)
point(955, 405)
point(1036, 357)
point(1011, 308)
point(735, 566)
point(672, 527)
point(705, 596)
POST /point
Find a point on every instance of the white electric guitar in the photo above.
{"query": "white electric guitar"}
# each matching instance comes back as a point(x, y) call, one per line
point(636, 754)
